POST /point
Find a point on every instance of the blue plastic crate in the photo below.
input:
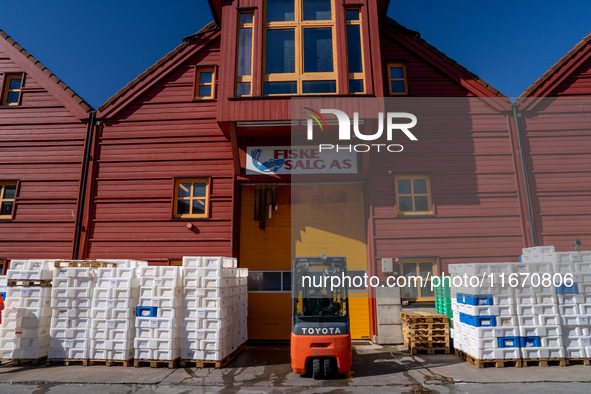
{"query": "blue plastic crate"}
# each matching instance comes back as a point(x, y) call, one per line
point(3, 294)
point(478, 321)
point(476, 300)
point(564, 289)
point(146, 311)
point(529, 342)
point(509, 342)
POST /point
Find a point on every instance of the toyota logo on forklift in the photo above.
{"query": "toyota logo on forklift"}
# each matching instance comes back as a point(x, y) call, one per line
point(320, 337)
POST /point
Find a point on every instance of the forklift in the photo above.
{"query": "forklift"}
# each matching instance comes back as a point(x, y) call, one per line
point(320, 335)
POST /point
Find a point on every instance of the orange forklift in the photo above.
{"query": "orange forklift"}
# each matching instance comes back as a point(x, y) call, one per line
point(320, 335)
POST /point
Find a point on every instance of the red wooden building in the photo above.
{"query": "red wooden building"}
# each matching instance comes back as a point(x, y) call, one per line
point(556, 137)
point(171, 171)
point(43, 136)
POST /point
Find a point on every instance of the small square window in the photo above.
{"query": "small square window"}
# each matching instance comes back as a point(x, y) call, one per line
point(413, 195)
point(191, 198)
point(7, 197)
point(397, 79)
point(205, 84)
point(419, 273)
point(12, 89)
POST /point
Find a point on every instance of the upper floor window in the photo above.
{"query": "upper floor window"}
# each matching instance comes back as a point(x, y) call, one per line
point(397, 80)
point(354, 51)
point(7, 196)
point(191, 198)
point(299, 37)
point(413, 195)
point(419, 273)
point(11, 90)
point(205, 83)
point(244, 63)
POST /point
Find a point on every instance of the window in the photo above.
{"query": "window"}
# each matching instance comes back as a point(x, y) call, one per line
point(299, 38)
point(416, 270)
point(354, 51)
point(397, 81)
point(205, 83)
point(7, 196)
point(413, 195)
point(244, 55)
point(3, 271)
point(174, 262)
point(269, 281)
point(191, 198)
point(12, 89)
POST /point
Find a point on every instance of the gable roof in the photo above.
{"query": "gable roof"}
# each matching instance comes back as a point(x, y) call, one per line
point(413, 40)
point(142, 81)
point(62, 92)
point(560, 70)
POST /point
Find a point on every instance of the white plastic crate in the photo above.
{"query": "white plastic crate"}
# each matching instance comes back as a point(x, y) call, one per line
point(565, 257)
point(569, 309)
point(574, 331)
point(480, 343)
point(212, 282)
point(28, 274)
point(125, 272)
point(210, 272)
point(551, 341)
point(583, 266)
point(192, 282)
point(28, 292)
point(576, 342)
point(190, 324)
point(25, 353)
point(112, 324)
point(76, 353)
point(170, 313)
point(100, 334)
point(570, 299)
point(490, 332)
point(575, 320)
point(212, 262)
point(536, 250)
point(540, 331)
point(57, 353)
point(83, 282)
point(148, 271)
point(69, 333)
point(526, 299)
point(155, 322)
point(575, 352)
point(547, 299)
point(125, 313)
point(160, 302)
point(101, 292)
point(106, 272)
point(585, 309)
point(190, 261)
point(189, 354)
point(61, 282)
point(167, 291)
point(17, 265)
point(191, 303)
point(171, 354)
point(100, 353)
point(169, 271)
point(144, 353)
point(542, 352)
point(537, 309)
point(103, 303)
point(527, 320)
point(190, 344)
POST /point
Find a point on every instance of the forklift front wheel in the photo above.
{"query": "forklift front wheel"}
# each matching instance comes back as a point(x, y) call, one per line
point(316, 369)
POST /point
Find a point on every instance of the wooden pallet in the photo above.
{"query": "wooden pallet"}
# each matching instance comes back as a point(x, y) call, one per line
point(32, 361)
point(83, 264)
point(156, 363)
point(213, 364)
point(423, 317)
point(544, 362)
point(110, 363)
point(514, 362)
point(29, 282)
point(429, 350)
point(578, 361)
point(68, 361)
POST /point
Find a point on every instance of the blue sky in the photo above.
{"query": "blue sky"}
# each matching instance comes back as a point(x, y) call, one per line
point(97, 47)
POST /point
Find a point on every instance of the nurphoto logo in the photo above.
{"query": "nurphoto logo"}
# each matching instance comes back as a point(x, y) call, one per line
point(345, 130)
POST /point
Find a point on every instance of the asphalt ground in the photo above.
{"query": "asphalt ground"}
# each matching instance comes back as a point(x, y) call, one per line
point(266, 369)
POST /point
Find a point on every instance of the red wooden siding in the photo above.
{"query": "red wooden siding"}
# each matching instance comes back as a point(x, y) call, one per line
point(478, 216)
point(41, 145)
point(558, 143)
point(160, 135)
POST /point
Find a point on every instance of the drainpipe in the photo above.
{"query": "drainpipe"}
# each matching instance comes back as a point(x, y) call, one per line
point(216, 24)
point(84, 181)
point(516, 115)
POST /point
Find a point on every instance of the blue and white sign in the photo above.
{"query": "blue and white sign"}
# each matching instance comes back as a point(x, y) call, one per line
point(273, 160)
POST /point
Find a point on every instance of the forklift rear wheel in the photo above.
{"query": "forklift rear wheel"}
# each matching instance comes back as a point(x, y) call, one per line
point(328, 370)
point(316, 369)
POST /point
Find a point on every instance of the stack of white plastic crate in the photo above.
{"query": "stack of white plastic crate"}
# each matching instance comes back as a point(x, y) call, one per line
point(24, 331)
point(484, 313)
point(214, 308)
point(113, 313)
point(158, 314)
point(540, 330)
point(71, 300)
point(574, 302)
